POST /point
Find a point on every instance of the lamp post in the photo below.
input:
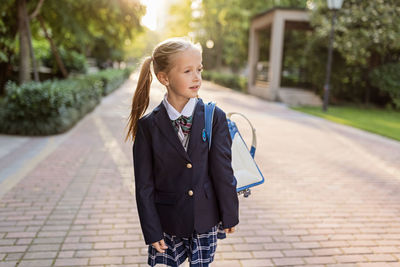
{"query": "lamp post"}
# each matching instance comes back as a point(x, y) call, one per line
point(333, 5)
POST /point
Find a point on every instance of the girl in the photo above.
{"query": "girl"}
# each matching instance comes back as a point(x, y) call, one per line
point(185, 193)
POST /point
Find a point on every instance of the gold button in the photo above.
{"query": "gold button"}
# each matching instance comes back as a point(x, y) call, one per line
point(189, 166)
point(190, 193)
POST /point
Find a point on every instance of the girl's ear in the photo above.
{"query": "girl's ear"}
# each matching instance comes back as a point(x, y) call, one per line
point(163, 78)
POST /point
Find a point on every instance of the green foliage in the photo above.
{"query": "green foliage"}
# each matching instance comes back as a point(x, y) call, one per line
point(143, 45)
point(72, 60)
point(180, 15)
point(294, 59)
point(232, 81)
point(366, 31)
point(111, 78)
point(366, 36)
point(100, 26)
point(76, 26)
point(347, 83)
point(387, 79)
point(8, 29)
point(41, 48)
point(50, 107)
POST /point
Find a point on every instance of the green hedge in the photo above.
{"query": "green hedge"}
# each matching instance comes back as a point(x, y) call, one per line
point(387, 79)
point(232, 81)
point(111, 78)
point(54, 106)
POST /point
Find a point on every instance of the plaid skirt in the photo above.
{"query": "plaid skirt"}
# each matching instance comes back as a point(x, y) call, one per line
point(199, 248)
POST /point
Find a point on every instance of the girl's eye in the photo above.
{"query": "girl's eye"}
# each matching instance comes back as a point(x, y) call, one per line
point(201, 69)
point(187, 71)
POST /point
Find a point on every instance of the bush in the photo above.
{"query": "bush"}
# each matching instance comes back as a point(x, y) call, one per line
point(111, 78)
point(387, 79)
point(233, 81)
point(54, 106)
point(128, 70)
point(49, 107)
point(73, 61)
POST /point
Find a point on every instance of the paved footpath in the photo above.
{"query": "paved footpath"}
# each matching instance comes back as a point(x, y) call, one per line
point(331, 196)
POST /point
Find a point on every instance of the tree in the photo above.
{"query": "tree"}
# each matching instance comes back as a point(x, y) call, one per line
point(367, 36)
point(8, 32)
point(79, 25)
point(73, 25)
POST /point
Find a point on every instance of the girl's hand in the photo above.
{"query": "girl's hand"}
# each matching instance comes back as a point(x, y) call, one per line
point(229, 230)
point(160, 246)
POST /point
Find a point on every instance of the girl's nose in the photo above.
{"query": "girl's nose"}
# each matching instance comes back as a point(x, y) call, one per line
point(197, 76)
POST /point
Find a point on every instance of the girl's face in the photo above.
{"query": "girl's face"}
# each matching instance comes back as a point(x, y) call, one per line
point(184, 78)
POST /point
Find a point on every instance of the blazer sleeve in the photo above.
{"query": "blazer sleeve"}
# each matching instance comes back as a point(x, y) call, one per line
point(220, 165)
point(144, 187)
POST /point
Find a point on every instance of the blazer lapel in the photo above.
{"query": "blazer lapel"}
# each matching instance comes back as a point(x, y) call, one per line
point(167, 129)
point(197, 127)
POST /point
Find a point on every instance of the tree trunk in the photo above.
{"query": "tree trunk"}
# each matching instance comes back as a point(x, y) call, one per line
point(32, 16)
point(34, 66)
point(53, 49)
point(24, 62)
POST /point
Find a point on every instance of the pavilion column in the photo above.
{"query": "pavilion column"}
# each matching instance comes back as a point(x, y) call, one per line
point(275, 56)
point(253, 56)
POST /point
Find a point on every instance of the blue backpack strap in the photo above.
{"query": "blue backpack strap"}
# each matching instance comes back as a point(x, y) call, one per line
point(208, 119)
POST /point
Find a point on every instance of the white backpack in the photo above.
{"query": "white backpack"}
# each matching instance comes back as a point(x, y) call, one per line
point(245, 169)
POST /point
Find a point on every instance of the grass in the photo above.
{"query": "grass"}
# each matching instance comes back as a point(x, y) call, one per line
point(379, 121)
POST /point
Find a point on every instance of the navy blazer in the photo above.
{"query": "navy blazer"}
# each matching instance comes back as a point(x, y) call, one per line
point(178, 192)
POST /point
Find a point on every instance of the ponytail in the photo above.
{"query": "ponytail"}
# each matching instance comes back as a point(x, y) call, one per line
point(141, 98)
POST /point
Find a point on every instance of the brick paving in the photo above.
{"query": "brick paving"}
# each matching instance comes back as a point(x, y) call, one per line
point(331, 198)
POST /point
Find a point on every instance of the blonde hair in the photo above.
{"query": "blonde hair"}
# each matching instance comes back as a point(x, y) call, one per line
point(161, 58)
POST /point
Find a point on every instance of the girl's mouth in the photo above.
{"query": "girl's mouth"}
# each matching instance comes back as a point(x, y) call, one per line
point(195, 87)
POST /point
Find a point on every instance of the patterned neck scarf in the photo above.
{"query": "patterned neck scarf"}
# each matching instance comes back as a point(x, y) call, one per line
point(184, 122)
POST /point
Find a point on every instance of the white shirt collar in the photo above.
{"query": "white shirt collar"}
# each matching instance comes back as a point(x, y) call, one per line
point(186, 111)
